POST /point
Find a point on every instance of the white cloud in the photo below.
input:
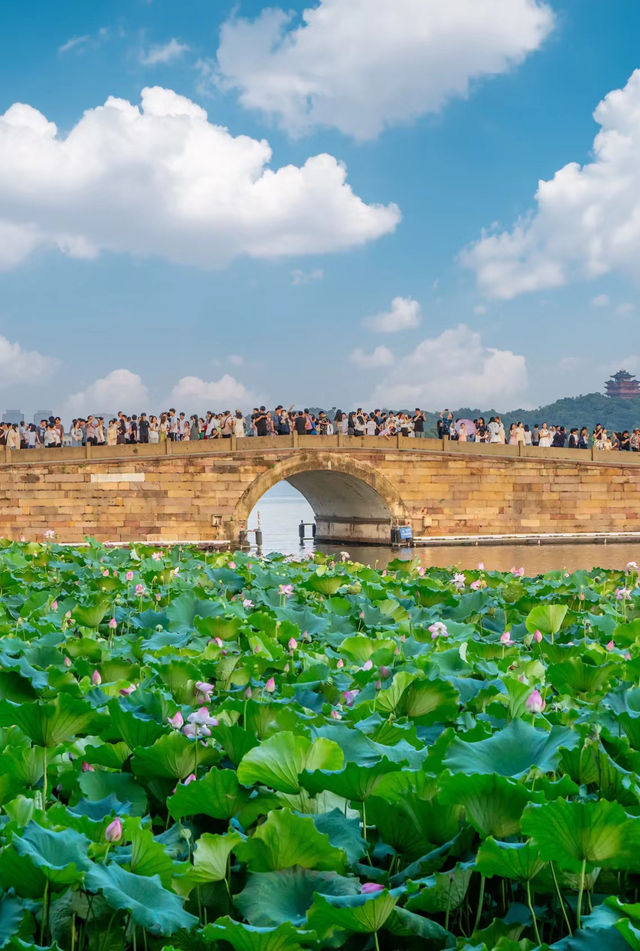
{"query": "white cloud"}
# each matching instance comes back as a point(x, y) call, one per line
point(625, 308)
point(602, 300)
point(118, 390)
point(380, 357)
point(18, 365)
point(235, 360)
point(299, 277)
point(362, 65)
point(163, 53)
point(455, 368)
point(192, 394)
point(404, 315)
point(587, 219)
point(162, 180)
point(74, 42)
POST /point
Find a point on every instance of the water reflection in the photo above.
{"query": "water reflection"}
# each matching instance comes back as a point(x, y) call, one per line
point(281, 512)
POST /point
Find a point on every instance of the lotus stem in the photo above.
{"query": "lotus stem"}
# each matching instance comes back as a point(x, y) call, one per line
point(560, 898)
point(480, 903)
point(533, 914)
point(44, 778)
point(375, 940)
point(43, 919)
point(580, 893)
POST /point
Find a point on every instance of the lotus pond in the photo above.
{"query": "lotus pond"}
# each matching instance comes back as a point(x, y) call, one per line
point(208, 751)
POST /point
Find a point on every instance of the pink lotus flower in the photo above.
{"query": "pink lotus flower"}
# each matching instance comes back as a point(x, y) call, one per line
point(194, 730)
point(54, 605)
point(113, 832)
point(286, 590)
point(368, 664)
point(49, 534)
point(345, 556)
point(139, 590)
point(438, 629)
point(247, 693)
point(517, 572)
point(610, 646)
point(477, 584)
point(129, 576)
point(157, 555)
point(370, 888)
point(203, 691)
point(350, 696)
point(627, 656)
point(292, 644)
point(202, 717)
point(158, 596)
point(68, 615)
point(535, 703)
point(176, 571)
point(127, 691)
point(270, 685)
point(113, 624)
point(335, 715)
point(384, 671)
point(340, 663)
point(190, 779)
point(537, 636)
point(232, 565)
point(96, 679)
point(105, 573)
point(247, 603)
point(176, 721)
point(87, 767)
point(422, 571)
point(67, 662)
point(459, 581)
point(481, 566)
point(506, 638)
point(623, 594)
point(631, 566)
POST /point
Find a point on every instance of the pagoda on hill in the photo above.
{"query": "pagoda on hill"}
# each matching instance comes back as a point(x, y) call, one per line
point(624, 385)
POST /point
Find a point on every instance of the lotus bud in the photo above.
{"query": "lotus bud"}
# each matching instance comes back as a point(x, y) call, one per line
point(113, 832)
point(270, 685)
point(370, 888)
point(96, 679)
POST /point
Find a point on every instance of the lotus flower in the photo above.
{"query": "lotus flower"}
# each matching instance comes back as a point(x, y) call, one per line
point(335, 715)
point(370, 888)
point(129, 576)
point(627, 656)
point(610, 646)
point(340, 663)
point(459, 581)
point(368, 664)
point(421, 571)
point(270, 685)
point(87, 767)
point(481, 566)
point(535, 703)
point(292, 644)
point(345, 556)
point(202, 717)
point(438, 629)
point(105, 573)
point(139, 590)
point(194, 730)
point(286, 590)
point(157, 556)
point(477, 584)
point(203, 691)
point(113, 624)
point(506, 638)
point(232, 565)
point(190, 779)
point(49, 534)
point(631, 566)
point(247, 603)
point(350, 696)
point(96, 679)
point(247, 693)
point(384, 671)
point(67, 662)
point(623, 594)
point(54, 605)
point(517, 572)
point(537, 636)
point(127, 691)
point(176, 721)
point(113, 832)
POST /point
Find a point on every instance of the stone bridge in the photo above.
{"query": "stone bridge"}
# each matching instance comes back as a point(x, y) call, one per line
point(357, 486)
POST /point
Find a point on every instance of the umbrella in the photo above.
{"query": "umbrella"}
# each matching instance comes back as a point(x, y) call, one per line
point(469, 425)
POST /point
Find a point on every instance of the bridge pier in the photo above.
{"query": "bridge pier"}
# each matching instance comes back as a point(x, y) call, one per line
point(363, 531)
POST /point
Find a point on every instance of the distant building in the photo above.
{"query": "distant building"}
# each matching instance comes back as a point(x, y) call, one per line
point(42, 414)
point(623, 384)
point(13, 416)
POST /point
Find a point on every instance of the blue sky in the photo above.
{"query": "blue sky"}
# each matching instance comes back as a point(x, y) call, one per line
point(208, 302)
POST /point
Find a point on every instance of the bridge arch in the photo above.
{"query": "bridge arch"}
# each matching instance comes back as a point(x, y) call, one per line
point(351, 500)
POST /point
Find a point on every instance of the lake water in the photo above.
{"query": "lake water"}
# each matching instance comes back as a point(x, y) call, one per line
point(282, 509)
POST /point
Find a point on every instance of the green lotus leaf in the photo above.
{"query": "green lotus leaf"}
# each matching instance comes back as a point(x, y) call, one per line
point(91, 615)
point(406, 923)
point(18, 872)
point(136, 729)
point(598, 833)
point(273, 898)
point(150, 905)
point(512, 751)
point(493, 803)
point(279, 760)
point(579, 675)
point(144, 855)
point(172, 756)
point(99, 784)
point(218, 794)
point(234, 740)
point(361, 648)
point(243, 937)
point(343, 833)
point(49, 723)
point(211, 855)
point(629, 932)
point(11, 914)
point(362, 914)
point(520, 861)
point(288, 839)
point(442, 891)
point(354, 782)
point(429, 701)
point(546, 618)
point(61, 856)
point(325, 584)
point(414, 826)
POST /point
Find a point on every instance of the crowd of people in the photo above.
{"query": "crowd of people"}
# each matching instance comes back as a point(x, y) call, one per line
point(174, 426)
